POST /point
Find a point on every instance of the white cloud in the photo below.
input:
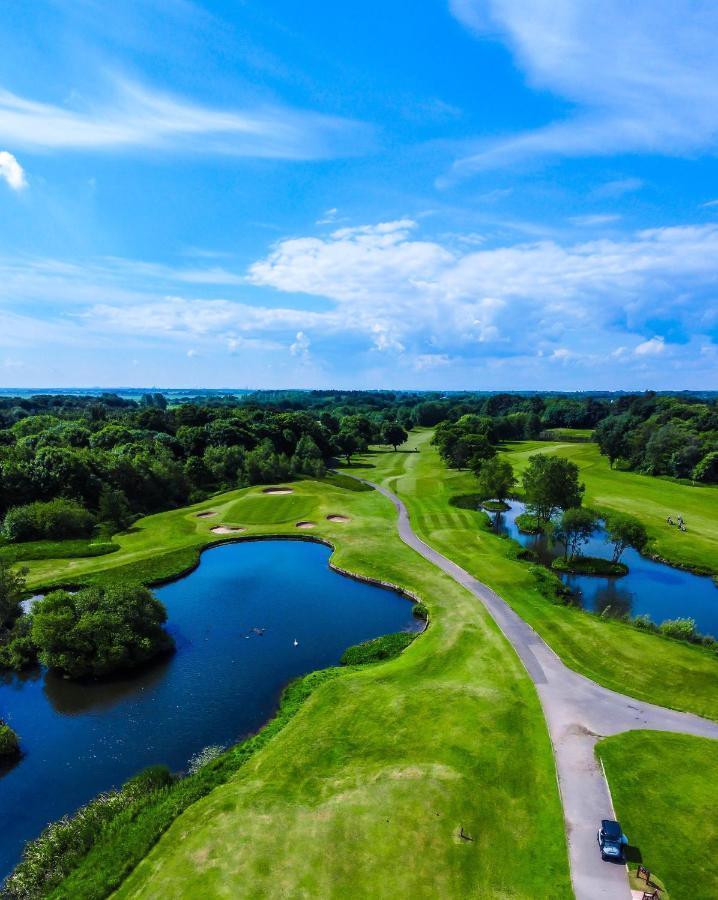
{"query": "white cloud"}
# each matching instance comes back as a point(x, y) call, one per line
point(652, 347)
point(710, 203)
point(642, 76)
point(138, 117)
point(300, 346)
point(383, 297)
point(11, 171)
point(191, 353)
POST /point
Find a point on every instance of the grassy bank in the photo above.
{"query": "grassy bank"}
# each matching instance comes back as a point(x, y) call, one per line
point(365, 790)
point(612, 653)
point(650, 499)
point(670, 820)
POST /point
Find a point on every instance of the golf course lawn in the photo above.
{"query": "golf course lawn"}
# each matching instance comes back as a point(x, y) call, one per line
point(651, 499)
point(365, 791)
point(611, 653)
point(665, 791)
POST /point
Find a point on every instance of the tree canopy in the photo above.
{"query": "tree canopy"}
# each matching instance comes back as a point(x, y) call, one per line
point(99, 630)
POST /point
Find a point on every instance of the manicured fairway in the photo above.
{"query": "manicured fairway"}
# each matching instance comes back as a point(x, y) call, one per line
point(651, 499)
point(613, 654)
point(665, 790)
point(365, 791)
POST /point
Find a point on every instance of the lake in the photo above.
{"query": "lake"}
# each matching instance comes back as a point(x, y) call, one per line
point(249, 619)
point(651, 588)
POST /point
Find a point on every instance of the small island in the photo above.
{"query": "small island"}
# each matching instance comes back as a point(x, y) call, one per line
point(528, 524)
point(495, 506)
point(9, 743)
point(590, 565)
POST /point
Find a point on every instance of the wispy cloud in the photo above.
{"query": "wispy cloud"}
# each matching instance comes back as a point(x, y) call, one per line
point(11, 171)
point(595, 219)
point(642, 76)
point(384, 289)
point(137, 117)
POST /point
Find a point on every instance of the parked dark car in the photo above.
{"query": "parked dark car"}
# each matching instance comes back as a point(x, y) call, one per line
point(611, 840)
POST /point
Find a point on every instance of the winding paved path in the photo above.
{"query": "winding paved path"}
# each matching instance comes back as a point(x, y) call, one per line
point(579, 712)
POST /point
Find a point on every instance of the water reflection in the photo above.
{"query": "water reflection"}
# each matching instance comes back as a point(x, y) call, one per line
point(651, 588)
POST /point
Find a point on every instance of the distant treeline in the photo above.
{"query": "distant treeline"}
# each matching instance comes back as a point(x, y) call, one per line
point(118, 457)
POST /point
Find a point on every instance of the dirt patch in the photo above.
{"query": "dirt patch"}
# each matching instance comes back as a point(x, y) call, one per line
point(207, 514)
point(278, 490)
point(227, 529)
point(306, 524)
point(337, 518)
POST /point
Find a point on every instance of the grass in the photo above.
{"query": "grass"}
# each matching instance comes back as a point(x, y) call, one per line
point(364, 790)
point(650, 499)
point(612, 653)
point(665, 790)
point(55, 550)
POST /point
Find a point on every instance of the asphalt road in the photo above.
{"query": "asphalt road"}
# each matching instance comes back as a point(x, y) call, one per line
point(578, 712)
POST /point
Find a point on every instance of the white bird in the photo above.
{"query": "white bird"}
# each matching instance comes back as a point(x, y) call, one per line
point(296, 642)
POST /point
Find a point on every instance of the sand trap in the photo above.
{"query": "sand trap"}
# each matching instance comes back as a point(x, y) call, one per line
point(226, 529)
point(278, 490)
point(207, 514)
point(338, 519)
point(306, 524)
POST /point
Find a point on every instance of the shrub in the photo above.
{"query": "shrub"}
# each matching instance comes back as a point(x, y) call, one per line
point(385, 647)
point(9, 743)
point(201, 759)
point(420, 611)
point(99, 630)
point(56, 519)
point(682, 629)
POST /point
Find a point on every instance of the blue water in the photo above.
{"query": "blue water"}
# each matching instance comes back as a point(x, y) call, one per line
point(221, 685)
point(651, 588)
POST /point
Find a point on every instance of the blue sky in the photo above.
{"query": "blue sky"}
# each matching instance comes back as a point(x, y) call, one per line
point(486, 194)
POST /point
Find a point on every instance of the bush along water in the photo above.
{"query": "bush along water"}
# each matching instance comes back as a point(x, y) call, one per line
point(49, 858)
point(385, 647)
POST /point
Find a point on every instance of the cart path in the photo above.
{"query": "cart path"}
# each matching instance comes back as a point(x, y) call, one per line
point(578, 713)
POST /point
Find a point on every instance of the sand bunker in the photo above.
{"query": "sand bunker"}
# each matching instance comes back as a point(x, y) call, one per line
point(338, 519)
point(227, 529)
point(278, 490)
point(207, 514)
point(306, 524)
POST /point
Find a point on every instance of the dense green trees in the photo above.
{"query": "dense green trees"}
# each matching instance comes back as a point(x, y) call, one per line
point(676, 436)
point(98, 630)
point(12, 584)
point(550, 484)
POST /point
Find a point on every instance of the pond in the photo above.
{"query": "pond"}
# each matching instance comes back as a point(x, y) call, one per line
point(253, 616)
point(651, 588)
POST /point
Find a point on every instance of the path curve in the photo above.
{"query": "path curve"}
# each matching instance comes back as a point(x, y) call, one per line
point(578, 713)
